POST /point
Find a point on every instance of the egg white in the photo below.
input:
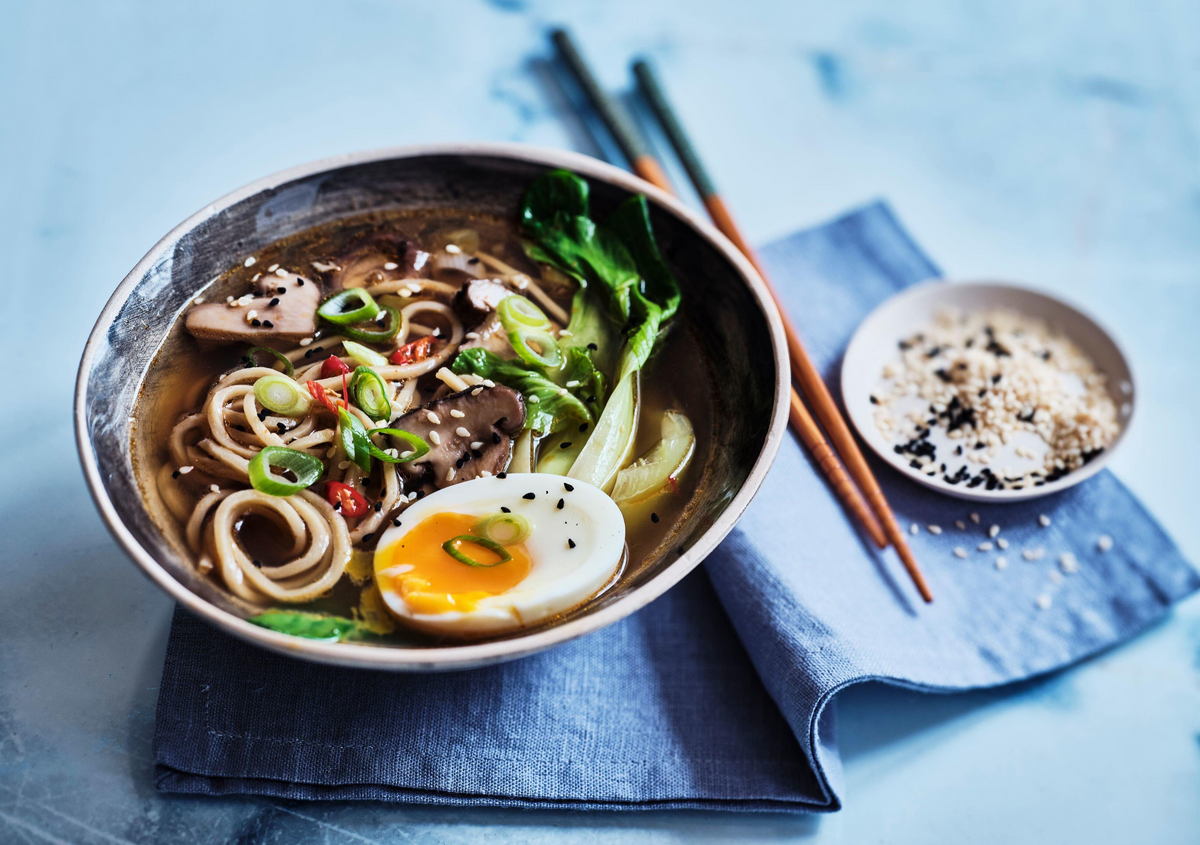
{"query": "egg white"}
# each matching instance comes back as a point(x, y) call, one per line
point(560, 577)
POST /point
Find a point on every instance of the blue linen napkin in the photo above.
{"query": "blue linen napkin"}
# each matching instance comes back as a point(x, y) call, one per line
point(715, 696)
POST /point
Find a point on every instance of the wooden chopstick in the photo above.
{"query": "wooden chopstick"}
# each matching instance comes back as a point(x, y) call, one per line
point(645, 165)
point(803, 369)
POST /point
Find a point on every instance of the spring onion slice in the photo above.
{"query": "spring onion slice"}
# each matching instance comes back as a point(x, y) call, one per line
point(376, 335)
point(507, 529)
point(339, 308)
point(288, 369)
point(516, 311)
point(355, 442)
point(450, 547)
point(281, 395)
point(370, 393)
point(363, 355)
point(415, 443)
point(306, 468)
point(536, 347)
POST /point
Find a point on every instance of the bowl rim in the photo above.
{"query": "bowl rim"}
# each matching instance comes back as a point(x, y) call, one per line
point(929, 289)
point(470, 655)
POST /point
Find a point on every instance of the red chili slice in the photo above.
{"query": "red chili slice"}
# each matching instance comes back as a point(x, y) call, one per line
point(410, 353)
point(353, 505)
point(333, 366)
point(322, 395)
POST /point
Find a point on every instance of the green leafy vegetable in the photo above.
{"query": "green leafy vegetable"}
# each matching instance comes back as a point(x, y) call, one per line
point(312, 626)
point(548, 407)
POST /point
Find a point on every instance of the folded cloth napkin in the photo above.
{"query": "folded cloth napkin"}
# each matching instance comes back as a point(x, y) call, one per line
point(716, 695)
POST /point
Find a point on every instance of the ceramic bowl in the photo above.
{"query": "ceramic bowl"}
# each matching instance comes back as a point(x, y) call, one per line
point(725, 302)
point(875, 341)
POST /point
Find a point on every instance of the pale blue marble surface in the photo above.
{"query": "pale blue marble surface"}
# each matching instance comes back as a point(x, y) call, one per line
point(1054, 143)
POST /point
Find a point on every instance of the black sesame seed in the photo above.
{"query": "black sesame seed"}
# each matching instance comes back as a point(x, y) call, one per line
point(528, 496)
point(308, 354)
point(591, 399)
point(593, 347)
point(560, 504)
point(495, 437)
point(257, 564)
point(378, 507)
point(568, 487)
point(472, 260)
point(654, 517)
point(458, 464)
point(175, 474)
point(255, 322)
point(396, 522)
point(502, 475)
point(268, 324)
point(583, 427)
point(874, 401)
point(566, 444)
point(368, 537)
point(274, 301)
point(996, 378)
point(420, 494)
point(570, 543)
point(679, 551)
point(281, 290)
point(337, 506)
point(300, 282)
point(476, 454)
point(504, 509)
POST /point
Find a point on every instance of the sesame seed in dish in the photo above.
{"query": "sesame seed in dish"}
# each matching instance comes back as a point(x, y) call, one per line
point(999, 397)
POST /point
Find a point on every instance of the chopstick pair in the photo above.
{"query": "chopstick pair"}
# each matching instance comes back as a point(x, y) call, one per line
point(874, 514)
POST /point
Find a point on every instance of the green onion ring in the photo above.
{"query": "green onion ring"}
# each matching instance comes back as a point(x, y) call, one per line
point(355, 442)
point(507, 529)
point(370, 393)
point(280, 395)
point(549, 358)
point(363, 355)
point(306, 468)
point(334, 308)
point(377, 336)
point(450, 547)
point(416, 443)
point(516, 311)
point(288, 369)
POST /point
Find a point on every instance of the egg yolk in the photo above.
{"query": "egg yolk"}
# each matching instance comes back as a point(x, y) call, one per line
point(429, 580)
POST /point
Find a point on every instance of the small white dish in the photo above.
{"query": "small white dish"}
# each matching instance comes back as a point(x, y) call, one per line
point(875, 342)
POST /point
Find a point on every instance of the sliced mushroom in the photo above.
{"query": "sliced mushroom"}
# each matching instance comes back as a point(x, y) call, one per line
point(491, 416)
point(478, 299)
point(284, 309)
point(383, 258)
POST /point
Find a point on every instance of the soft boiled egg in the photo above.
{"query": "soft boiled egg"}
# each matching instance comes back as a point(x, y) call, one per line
point(554, 542)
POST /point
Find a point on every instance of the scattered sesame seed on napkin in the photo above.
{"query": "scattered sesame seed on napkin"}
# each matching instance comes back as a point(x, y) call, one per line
point(719, 695)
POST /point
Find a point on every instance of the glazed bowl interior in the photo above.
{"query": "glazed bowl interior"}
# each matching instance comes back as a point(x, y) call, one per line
point(724, 303)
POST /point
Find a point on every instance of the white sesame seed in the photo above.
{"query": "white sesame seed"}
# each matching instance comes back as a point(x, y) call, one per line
point(343, 464)
point(206, 565)
point(272, 268)
point(249, 262)
point(975, 518)
point(306, 341)
point(985, 546)
point(185, 470)
point(281, 273)
point(462, 432)
point(472, 335)
point(477, 391)
point(1044, 601)
point(408, 453)
point(435, 438)
point(1104, 543)
point(476, 444)
point(533, 399)
point(415, 287)
point(487, 382)
point(1044, 521)
point(452, 249)
point(573, 383)
point(934, 529)
point(229, 300)
point(405, 292)
point(564, 333)
point(391, 265)
point(960, 525)
point(457, 414)
point(199, 300)
point(913, 529)
point(433, 418)
point(562, 391)
point(251, 314)
point(1001, 562)
point(450, 474)
point(485, 473)
point(214, 488)
point(959, 551)
point(1001, 543)
point(994, 530)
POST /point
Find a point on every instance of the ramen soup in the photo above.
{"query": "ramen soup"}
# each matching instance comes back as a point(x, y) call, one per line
point(431, 424)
